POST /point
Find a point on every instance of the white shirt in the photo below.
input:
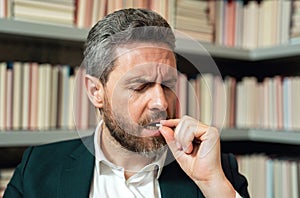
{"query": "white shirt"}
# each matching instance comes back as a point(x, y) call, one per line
point(109, 179)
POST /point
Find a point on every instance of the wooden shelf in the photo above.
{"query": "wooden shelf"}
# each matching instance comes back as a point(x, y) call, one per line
point(30, 29)
point(28, 138)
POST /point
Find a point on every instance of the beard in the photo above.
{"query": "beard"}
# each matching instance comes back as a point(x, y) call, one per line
point(127, 134)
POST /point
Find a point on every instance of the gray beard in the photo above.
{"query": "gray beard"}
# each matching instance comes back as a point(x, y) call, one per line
point(146, 146)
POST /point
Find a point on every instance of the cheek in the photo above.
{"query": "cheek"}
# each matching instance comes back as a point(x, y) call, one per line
point(118, 99)
point(124, 102)
point(137, 106)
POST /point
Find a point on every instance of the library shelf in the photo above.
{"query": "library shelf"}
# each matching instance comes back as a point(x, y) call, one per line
point(258, 54)
point(29, 138)
point(261, 135)
point(47, 31)
point(184, 44)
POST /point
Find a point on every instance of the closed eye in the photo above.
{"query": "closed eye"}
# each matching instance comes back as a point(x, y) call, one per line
point(142, 87)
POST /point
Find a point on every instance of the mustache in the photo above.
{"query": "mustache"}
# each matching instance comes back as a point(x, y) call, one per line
point(154, 117)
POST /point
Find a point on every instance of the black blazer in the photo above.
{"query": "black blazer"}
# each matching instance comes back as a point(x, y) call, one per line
point(65, 169)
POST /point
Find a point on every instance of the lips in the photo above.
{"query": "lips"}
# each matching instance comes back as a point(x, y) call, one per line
point(152, 126)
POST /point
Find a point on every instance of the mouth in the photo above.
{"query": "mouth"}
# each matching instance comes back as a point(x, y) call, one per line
point(152, 126)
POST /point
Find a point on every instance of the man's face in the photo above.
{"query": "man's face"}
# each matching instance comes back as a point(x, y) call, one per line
point(139, 93)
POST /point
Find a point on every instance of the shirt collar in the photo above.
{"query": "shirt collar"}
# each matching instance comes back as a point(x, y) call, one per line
point(100, 157)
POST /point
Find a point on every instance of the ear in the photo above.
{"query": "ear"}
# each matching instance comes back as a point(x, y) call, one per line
point(94, 89)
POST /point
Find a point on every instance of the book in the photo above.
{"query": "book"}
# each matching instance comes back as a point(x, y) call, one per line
point(279, 102)
point(286, 178)
point(199, 36)
point(181, 93)
point(295, 105)
point(219, 23)
point(278, 178)
point(26, 96)
point(238, 28)
point(34, 95)
point(9, 97)
point(2, 9)
point(64, 100)
point(80, 13)
point(232, 102)
point(84, 118)
point(251, 25)
point(71, 106)
point(218, 102)
point(192, 98)
point(17, 95)
point(44, 11)
point(77, 99)
point(239, 106)
point(206, 106)
point(269, 26)
point(266, 97)
point(41, 102)
point(294, 179)
point(3, 95)
point(171, 12)
point(198, 96)
point(48, 102)
point(88, 13)
point(54, 97)
point(192, 17)
point(230, 10)
point(269, 178)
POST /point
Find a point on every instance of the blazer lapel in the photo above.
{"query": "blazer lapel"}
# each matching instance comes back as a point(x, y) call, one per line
point(78, 169)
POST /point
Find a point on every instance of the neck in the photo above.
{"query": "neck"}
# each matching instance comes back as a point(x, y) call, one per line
point(131, 162)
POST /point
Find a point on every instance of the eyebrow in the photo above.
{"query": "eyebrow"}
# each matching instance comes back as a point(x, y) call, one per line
point(142, 80)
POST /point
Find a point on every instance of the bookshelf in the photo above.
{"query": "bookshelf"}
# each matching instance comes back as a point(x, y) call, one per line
point(57, 34)
point(258, 54)
point(46, 31)
point(73, 34)
point(261, 135)
point(26, 41)
point(29, 138)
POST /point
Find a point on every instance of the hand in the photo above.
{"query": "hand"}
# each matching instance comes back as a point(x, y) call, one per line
point(196, 147)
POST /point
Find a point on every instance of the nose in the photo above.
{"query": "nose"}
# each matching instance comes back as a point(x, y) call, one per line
point(157, 98)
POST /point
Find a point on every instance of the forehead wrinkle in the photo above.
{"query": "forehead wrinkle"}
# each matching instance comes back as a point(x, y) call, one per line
point(133, 56)
point(154, 51)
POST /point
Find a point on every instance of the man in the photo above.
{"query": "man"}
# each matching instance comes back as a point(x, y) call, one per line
point(131, 75)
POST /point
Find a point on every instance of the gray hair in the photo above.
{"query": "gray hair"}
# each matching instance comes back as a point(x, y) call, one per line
point(122, 27)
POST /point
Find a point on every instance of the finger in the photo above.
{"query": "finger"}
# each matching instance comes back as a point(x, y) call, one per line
point(173, 124)
point(170, 123)
point(187, 131)
point(168, 134)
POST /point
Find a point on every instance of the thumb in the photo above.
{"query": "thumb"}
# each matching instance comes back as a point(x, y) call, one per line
point(168, 134)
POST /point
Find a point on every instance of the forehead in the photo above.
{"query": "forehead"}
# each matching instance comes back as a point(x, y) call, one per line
point(144, 58)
